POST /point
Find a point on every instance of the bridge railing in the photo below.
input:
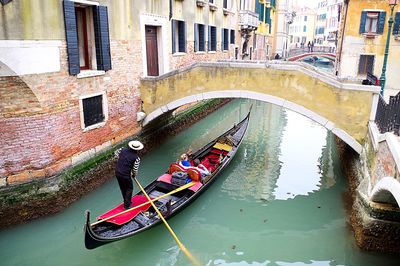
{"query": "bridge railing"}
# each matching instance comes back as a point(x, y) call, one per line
point(315, 49)
point(388, 115)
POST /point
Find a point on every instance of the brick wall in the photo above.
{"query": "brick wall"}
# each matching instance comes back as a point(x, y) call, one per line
point(40, 124)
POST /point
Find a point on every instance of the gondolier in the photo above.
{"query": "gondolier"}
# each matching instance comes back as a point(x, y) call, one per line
point(127, 166)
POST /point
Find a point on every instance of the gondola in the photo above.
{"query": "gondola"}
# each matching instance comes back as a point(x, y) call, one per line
point(216, 155)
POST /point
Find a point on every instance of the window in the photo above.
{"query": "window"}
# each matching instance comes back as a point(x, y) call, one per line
point(366, 64)
point(304, 28)
point(225, 39)
point(212, 38)
point(178, 36)
point(372, 22)
point(305, 18)
point(87, 36)
point(199, 37)
point(211, 1)
point(225, 4)
point(93, 110)
point(232, 37)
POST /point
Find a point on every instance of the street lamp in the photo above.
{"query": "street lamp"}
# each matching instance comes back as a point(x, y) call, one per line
point(382, 80)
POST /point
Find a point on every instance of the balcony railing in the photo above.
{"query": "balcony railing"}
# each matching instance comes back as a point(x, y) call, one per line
point(248, 19)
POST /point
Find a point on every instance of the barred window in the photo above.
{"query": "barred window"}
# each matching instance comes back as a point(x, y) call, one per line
point(93, 111)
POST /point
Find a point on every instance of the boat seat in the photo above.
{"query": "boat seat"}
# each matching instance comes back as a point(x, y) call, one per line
point(194, 174)
point(174, 167)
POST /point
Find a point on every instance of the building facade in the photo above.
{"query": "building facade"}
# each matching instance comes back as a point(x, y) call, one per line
point(302, 29)
point(333, 17)
point(321, 23)
point(362, 42)
point(70, 72)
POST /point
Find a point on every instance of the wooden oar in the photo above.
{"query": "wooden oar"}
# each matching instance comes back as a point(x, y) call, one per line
point(181, 246)
point(145, 203)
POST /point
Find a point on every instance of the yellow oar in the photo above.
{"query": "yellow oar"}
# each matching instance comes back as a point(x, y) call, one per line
point(182, 247)
point(140, 205)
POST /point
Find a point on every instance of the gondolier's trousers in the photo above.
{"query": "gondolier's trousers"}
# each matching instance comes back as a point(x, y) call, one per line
point(126, 186)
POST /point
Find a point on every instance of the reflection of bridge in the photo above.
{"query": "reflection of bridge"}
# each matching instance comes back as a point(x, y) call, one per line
point(299, 53)
point(344, 109)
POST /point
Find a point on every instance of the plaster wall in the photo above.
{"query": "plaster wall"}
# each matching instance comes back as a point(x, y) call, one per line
point(355, 44)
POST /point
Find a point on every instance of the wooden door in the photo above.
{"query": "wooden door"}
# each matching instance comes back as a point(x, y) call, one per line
point(151, 51)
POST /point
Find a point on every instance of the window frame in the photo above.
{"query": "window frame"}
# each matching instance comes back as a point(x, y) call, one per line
point(84, 24)
point(375, 21)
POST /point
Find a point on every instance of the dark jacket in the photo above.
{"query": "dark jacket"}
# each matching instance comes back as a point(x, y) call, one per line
point(128, 161)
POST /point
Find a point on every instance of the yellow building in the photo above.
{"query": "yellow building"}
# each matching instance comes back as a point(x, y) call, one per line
point(265, 33)
point(362, 42)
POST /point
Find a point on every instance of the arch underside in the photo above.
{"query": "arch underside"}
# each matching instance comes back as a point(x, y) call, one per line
point(387, 190)
point(329, 125)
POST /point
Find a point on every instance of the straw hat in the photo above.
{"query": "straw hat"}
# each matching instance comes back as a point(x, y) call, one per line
point(135, 145)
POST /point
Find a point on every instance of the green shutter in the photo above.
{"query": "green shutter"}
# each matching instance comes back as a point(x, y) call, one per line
point(381, 22)
point(362, 21)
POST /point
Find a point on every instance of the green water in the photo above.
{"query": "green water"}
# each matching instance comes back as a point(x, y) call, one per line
point(279, 202)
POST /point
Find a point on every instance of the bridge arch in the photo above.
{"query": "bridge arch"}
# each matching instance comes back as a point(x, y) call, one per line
point(345, 109)
point(329, 125)
point(387, 190)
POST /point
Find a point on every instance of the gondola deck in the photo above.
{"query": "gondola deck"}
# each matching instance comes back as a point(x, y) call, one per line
point(215, 156)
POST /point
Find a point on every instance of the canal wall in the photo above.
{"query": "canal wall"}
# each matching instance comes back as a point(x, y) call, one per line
point(24, 202)
point(376, 225)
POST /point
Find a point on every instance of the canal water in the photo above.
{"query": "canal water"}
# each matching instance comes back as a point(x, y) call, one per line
point(279, 202)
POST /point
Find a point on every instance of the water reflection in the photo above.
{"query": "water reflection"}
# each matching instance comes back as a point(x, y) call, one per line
point(277, 203)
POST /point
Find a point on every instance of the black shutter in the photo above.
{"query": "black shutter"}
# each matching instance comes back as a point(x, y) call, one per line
point(209, 38)
point(71, 35)
point(361, 64)
point(173, 25)
point(363, 20)
point(233, 36)
point(214, 38)
point(222, 39)
point(182, 37)
point(202, 40)
point(102, 38)
point(396, 25)
point(196, 37)
point(381, 22)
point(370, 64)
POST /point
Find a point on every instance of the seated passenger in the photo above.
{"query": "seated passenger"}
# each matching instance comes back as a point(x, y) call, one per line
point(184, 161)
point(201, 168)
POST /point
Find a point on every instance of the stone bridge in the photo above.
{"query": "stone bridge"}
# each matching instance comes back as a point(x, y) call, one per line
point(344, 109)
point(319, 54)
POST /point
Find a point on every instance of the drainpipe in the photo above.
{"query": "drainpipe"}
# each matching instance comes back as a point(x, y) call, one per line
point(346, 5)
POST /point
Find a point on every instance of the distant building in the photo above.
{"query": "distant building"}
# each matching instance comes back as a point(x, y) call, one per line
point(284, 19)
point(321, 23)
point(333, 16)
point(362, 40)
point(302, 29)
